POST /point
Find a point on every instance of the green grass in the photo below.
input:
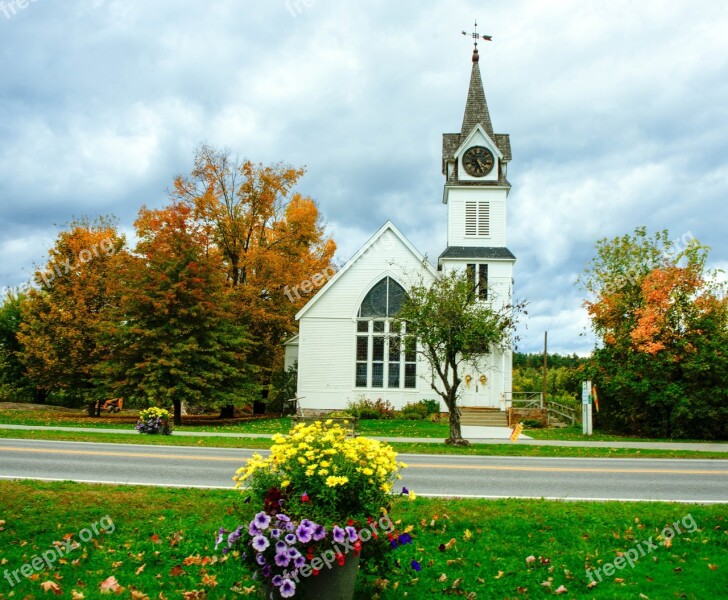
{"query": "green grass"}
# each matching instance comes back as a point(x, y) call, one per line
point(162, 543)
point(505, 449)
point(574, 433)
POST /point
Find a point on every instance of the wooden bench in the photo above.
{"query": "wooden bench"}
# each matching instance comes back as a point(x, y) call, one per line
point(351, 424)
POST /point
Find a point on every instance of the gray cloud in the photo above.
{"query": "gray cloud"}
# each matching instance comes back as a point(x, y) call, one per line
point(618, 114)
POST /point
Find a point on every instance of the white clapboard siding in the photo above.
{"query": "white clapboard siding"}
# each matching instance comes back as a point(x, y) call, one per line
point(327, 326)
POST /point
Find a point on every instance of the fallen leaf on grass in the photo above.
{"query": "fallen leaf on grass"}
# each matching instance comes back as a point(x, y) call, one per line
point(592, 584)
point(209, 580)
point(176, 570)
point(140, 569)
point(195, 595)
point(137, 595)
point(713, 567)
point(530, 559)
point(442, 578)
point(110, 585)
point(51, 586)
point(77, 595)
point(175, 538)
point(117, 564)
point(156, 539)
point(500, 574)
point(561, 590)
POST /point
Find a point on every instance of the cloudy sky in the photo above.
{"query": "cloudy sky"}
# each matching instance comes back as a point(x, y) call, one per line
point(617, 110)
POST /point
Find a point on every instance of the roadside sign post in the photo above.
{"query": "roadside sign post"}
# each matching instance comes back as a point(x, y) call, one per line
point(586, 407)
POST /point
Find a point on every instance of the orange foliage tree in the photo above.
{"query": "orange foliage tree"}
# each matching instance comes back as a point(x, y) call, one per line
point(174, 336)
point(272, 241)
point(61, 317)
point(661, 318)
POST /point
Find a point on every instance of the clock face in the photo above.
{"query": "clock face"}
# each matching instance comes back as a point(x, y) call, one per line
point(478, 161)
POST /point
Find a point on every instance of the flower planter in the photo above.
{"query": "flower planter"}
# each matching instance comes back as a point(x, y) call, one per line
point(336, 583)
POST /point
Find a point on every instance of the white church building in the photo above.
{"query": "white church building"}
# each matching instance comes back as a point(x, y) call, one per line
point(346, 347)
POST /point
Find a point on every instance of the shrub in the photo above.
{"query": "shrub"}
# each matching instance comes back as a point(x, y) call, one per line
point(533, 424)
point(433, 406)
point(414, 411)
point(363, 408)
point(438, 418)
point(153, 421)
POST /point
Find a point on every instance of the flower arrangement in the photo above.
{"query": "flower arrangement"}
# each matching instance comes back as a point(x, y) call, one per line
point(154, 420)
point(321, 495)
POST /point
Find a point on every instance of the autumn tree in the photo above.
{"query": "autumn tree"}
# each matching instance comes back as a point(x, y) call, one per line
point(174, 336)
point(61, 317)
point(271, 240)
point(453, 327)
point(660, 316)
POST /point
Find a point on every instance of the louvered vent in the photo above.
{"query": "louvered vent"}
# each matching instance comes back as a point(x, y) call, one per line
point(477, 219)
point(471, 218)
point(484, 219)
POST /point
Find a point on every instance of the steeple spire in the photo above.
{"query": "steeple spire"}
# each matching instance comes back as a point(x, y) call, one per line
point(476, 108)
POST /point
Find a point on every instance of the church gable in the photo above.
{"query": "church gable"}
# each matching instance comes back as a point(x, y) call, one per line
point(387, 253)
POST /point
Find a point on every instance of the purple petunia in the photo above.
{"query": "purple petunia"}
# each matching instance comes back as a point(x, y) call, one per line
point(261, 520)
point(260, 543)
point(405, 538)
point(265, 571)
point(416, 566)
point(351, 532)
point(283, 518)
point(304, 533)
point(339, 534)
point(290, 539)
point(299, 561)
point(277, 580)
point(260, 559)
point(253, 530)
point(306, 523)
point(293, 553)
point(319, 532)
point(220, 537)
point(405, 490)
point(235, 536)
point(281, 547)
point(275, 533)
point(282, 559)
point(287, 589)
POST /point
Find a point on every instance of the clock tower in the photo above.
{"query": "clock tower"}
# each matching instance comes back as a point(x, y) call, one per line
point(475, 166)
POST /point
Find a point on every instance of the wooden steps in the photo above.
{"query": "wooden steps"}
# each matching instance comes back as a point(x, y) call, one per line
point(483, 417)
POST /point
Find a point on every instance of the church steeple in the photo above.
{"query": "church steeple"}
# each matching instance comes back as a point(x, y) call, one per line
point(476, 108)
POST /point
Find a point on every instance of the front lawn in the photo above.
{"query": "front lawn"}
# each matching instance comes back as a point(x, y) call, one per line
point(159, 543)
point(434, 447)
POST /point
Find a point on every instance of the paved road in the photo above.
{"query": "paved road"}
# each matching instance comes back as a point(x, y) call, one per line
point(489, 477)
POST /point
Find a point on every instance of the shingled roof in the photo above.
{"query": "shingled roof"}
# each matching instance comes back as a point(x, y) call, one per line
point(476, 108)
point(490, 252)
point(476, 113)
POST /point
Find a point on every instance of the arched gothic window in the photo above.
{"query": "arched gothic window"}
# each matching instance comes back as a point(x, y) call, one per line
point(385, 356)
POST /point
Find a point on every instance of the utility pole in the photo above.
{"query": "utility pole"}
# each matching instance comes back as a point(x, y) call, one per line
point(545, 366)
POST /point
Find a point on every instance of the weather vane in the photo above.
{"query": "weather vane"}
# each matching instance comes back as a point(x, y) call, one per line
point(478, 36)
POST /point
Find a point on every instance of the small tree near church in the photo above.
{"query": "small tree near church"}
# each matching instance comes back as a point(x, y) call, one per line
point(454, 327)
